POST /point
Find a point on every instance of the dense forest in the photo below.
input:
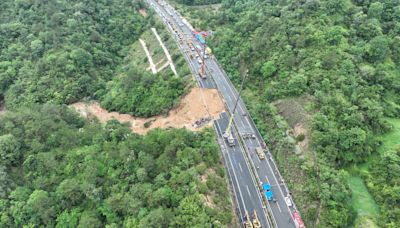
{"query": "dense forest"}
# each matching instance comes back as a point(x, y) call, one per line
point(139, 92)
point(344, 57)
point(63, 51)
point(58, 170)
point(198, 2)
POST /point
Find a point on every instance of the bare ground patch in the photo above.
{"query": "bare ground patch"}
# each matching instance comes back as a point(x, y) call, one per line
point(208, 198)
point(143, 12)
point(298, 118)
point(190, 109)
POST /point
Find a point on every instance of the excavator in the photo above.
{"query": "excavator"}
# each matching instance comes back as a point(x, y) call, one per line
point(247, 221)
point(256, 222)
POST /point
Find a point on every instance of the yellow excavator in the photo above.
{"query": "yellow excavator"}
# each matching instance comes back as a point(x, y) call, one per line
point(247, 221)
point(256, 222)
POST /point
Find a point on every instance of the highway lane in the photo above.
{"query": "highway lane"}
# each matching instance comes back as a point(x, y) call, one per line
point(247, 193)
point(182, 34)
point(267, 171)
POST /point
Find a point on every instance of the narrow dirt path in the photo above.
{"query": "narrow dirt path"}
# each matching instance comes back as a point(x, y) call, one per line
point(165, 51)
point(152, 66)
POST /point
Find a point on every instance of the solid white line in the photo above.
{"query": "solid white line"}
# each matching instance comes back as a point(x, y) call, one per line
point(254, 181)
point(233, 170)
point(227, 169)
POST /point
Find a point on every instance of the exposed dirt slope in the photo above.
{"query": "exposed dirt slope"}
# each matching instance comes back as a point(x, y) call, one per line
point(189, 110)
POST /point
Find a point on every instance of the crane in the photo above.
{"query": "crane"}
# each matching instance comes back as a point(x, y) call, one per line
point(228, 133)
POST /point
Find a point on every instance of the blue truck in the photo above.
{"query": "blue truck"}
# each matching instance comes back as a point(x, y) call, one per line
point(268, 192)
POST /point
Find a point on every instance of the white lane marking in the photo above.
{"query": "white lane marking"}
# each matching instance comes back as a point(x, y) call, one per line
point(239, 104)
point(266, 177)
point(255, 184)
point(279, 208)
point(248, 190)
point(279, 187)
point(234, 174)
point(240, 167)
point(232, 91)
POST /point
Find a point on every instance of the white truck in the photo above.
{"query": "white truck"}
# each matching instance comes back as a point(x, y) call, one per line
point(231, 140)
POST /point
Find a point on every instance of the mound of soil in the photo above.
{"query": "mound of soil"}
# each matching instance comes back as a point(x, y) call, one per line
point(193, 107)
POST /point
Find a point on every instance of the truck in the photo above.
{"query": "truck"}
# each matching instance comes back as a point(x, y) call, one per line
point(267, 191)
point(198, 47)
point(260, 153)
point(297, 220)
point(208, 50)
point(203, 76)
point(231, 140)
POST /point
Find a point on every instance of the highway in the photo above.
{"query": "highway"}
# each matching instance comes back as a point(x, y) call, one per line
point(247, 193)
point(245, 168)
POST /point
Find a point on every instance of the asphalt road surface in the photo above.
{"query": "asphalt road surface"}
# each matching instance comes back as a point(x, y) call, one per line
point(247, 193)
point(245, 168)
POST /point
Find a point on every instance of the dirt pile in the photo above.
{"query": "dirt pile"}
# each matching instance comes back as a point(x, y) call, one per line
point(143, 12)
point(191, 109)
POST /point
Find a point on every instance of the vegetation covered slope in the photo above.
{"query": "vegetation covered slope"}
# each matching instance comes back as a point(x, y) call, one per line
point(135, 90)
point(197, 2)
point(58, 170)
point(63, 51)
point(343, 53)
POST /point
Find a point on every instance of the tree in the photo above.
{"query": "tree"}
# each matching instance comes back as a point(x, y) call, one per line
point(375, 10)
point(89, 219)
point(378, 48)
point(68, 219)
point(10, 150)
point(40, 207)
point(268, 69)
point(37, 48)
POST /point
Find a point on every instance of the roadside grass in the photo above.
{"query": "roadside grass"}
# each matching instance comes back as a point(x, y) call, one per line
point(362, 200)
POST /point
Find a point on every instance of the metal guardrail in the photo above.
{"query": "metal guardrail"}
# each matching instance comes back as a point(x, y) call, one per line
point(258, 133)
point(253, 125)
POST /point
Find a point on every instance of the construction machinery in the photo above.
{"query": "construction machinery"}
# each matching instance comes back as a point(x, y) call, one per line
point(229, 137)
point(256, 221)
point(247, 221)
point(260, 153)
